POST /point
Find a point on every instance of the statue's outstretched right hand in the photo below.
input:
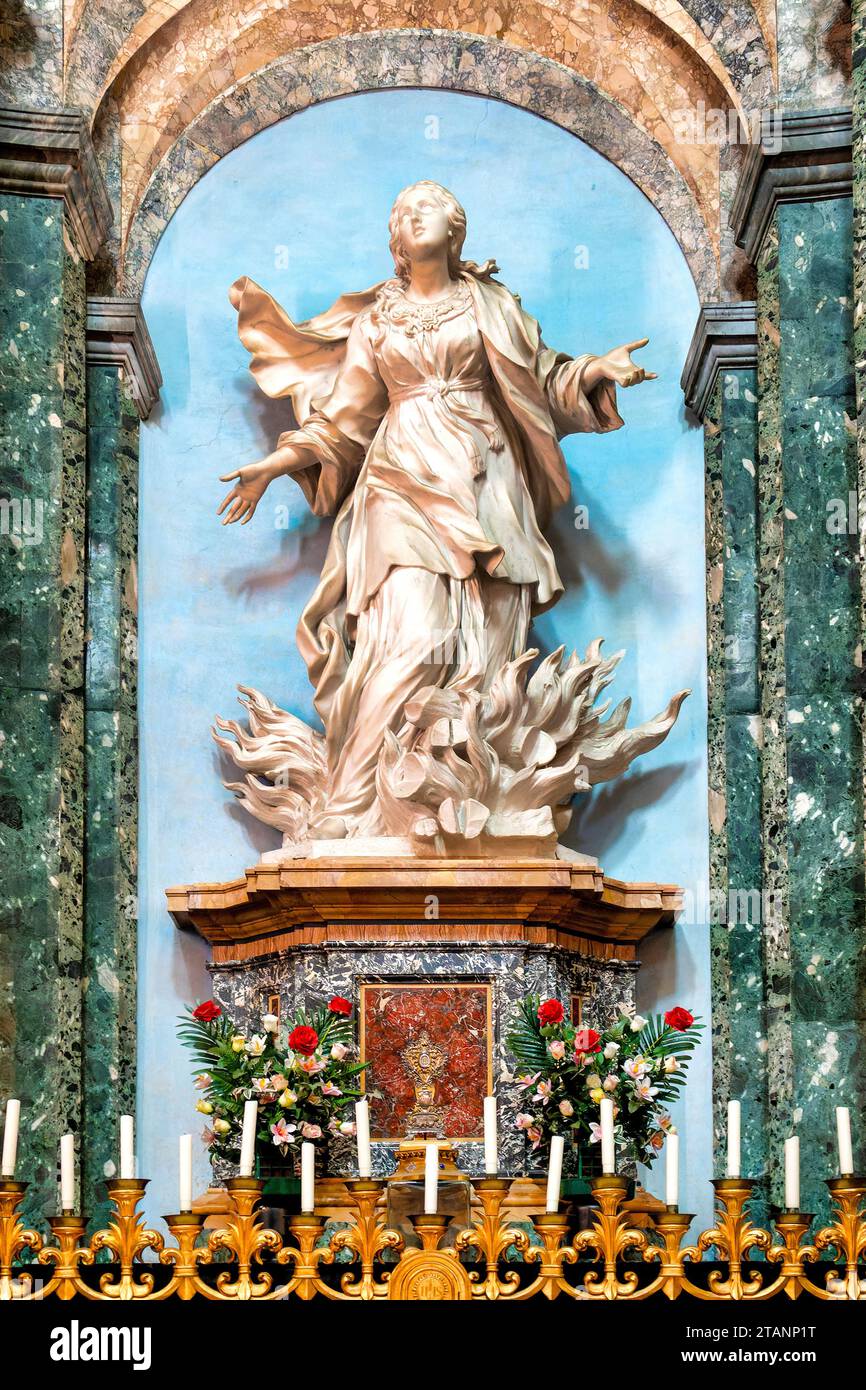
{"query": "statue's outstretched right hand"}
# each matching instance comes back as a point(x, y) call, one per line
point(252, 483)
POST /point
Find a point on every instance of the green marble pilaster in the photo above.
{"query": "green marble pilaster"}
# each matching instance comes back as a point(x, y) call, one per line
point(53, 216)
point(42, 307)
point(109, 1012)
point(774, 766)
point(720, 386)
point(858, 162)
point(823, 671)
point(811, 672)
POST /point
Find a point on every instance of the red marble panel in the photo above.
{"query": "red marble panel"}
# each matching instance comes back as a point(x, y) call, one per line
point(456, 1018)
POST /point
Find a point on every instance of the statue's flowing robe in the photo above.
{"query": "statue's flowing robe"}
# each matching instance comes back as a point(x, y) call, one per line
point(439, 453)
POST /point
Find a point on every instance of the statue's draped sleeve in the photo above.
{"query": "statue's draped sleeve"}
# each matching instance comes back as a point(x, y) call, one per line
point(327, 368)
point(542, 390)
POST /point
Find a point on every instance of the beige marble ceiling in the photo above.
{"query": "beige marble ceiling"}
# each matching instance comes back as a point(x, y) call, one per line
point(158, 65)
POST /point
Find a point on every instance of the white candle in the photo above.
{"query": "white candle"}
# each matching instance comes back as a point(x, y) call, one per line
point(792, 1173)
point(248, 1138)
point(608, 1153)
point(672, 1170)
point(362, 1132)
point(491, 1150)
point(733, 1168)
point(185, 1172)
point(843, 1134)
point(127, 1147)
point(554, 1172)
point(67, 1172)
point(431, 1179)
point(10, 1139)
point(308, 1177)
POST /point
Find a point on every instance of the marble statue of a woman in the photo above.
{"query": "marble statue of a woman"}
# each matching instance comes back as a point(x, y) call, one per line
point(430, 414)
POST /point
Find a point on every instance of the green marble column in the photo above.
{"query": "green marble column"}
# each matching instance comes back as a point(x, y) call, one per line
point(720, 386)
point(794, 217)
point(858, 160)
point(44, 244)
point(122, 383)
point(42, 675)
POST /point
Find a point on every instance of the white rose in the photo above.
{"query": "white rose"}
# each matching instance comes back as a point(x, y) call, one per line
point(339, 1051)
point(270, 1023)
point(637, 1023)
point(611, 1050)
point(671, 1064)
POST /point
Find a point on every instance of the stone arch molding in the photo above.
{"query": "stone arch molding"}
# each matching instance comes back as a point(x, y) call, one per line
point(417, 59)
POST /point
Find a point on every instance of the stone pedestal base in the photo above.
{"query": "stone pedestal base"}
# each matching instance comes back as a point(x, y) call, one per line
point(450, 947)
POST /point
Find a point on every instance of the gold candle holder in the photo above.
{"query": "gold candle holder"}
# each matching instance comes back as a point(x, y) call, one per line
point(846, 1236)
point(14, 1237)
point(430, 1227)
point(367, 1238)
point(492, 1239)
point(610, 1236)
point(186, 1227)
point(792, 1253)
point(671, 1225)
point(306, 1257)
point(66, 1254)
point(734, 1236)
point(552, 1227)
point(125, 1237)
point(246, 1239)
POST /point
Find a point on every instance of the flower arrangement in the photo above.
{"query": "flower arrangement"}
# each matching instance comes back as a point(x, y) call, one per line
point(303, 1082)
point(638, 1063)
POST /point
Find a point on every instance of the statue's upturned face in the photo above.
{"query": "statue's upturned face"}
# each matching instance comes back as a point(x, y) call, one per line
point(423, 225)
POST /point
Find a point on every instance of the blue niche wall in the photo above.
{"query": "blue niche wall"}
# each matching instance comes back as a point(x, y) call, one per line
point(303, 208)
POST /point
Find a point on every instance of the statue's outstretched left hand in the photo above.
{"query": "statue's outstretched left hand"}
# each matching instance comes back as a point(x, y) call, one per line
point(617, 365)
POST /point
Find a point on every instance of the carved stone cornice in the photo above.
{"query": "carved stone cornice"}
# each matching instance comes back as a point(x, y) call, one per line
point(49, 154)
point(317, 902)
point(724, 339)
point(117, 336)
point(801, 157)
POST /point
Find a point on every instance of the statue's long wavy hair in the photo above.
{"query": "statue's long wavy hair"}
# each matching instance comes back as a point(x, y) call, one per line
point(457, 235)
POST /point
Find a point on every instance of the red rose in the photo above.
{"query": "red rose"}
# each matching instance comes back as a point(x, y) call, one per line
point(339, 1005)
point(304, 1040)
point(587, 1040)
point(551, 1011)
point(207, 1012)
point(680, 1019)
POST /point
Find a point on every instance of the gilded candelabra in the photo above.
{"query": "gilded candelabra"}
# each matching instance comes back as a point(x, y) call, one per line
point(245, 1260)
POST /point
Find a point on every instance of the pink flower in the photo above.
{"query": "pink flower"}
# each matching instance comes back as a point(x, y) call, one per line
point(566, 1108)
point(636, 1067)
point(311, 1065)
point(644, 1091)
point(339, 1052)
point(534, 1135)
point(611, 1082)
point(202, 1082)
point(282, 1133)
point(329, 1089)
point(524, 1121)
point(311, 1131)
point(208, 1136)
point(336, 1126)
point(556, 1049)
point(543, 1091)
point(526, 1080)
point(594, 1132)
